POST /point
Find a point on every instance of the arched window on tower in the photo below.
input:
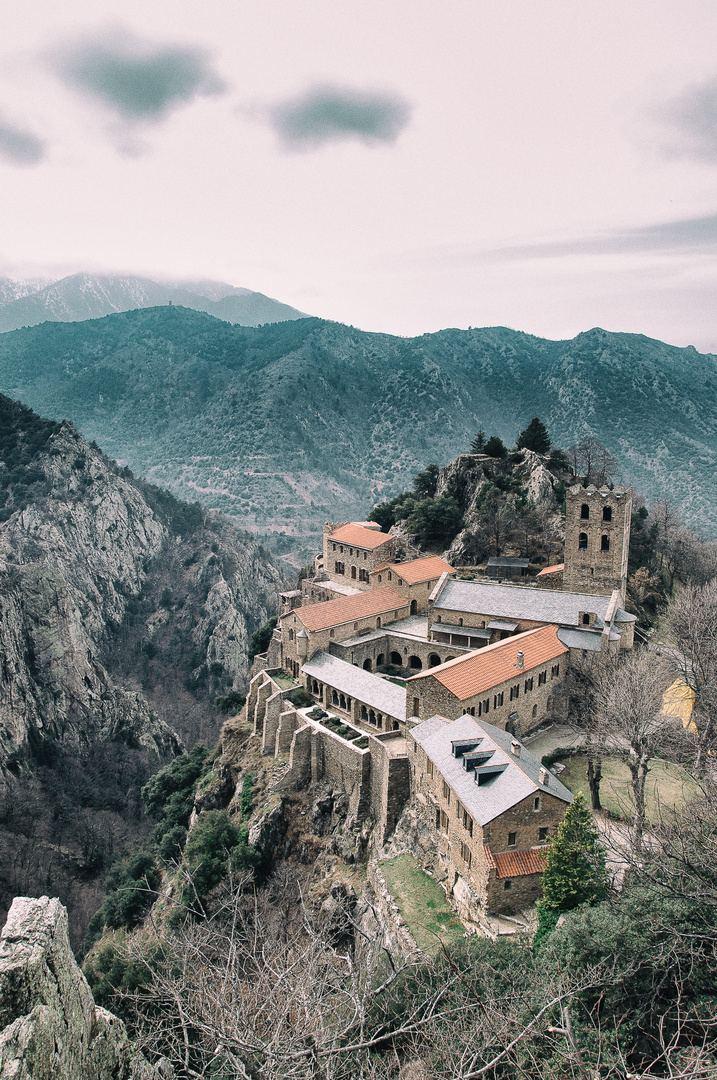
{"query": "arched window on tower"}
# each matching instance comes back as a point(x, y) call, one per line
point(585, 512)
point(583, 542)
point(604, 543)
point(607, 513)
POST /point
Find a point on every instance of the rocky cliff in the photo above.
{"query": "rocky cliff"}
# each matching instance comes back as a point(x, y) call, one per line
point(50, 1028)
point(509, 505)
point(123, 614)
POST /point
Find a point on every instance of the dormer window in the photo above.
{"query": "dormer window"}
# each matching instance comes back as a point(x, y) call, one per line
point(585, 512)
point(583, 542)
point(607, 513)
point(586, 619)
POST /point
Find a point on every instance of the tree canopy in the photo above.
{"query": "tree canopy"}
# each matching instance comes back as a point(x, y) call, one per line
point(535, 437)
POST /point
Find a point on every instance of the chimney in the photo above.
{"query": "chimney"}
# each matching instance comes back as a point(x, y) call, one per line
point(515, 748)
point(544, 775)
point(520, 660)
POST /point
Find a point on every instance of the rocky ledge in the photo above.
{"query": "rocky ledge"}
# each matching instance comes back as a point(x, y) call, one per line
point(50, 1028)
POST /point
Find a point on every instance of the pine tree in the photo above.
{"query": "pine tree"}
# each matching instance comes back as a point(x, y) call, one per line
point(478, 444)
point(495, 448)
point(575, 870)
point(535, 437)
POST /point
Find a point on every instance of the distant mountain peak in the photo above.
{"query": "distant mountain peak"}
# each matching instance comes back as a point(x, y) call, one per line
point(82, 296)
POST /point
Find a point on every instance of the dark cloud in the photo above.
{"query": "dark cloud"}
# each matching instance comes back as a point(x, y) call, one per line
point(328, 114)
point(140, 81)
point(689, 234)
point(19, 146)
point(693, 119)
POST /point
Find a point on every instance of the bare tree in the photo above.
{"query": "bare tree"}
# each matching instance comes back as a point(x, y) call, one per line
point(632, 726)
point(692, 620)
point(593, 461)
point(588, 678)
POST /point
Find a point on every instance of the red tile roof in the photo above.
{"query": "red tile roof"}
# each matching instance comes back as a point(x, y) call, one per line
point(516, 863)
point(358, 536)
point(417, 570)
point(470, 675)
point(350, 608)
point(551, 569)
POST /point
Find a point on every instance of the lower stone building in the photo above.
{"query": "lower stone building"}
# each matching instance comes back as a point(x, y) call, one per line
point(517, 682)
point(490, 808)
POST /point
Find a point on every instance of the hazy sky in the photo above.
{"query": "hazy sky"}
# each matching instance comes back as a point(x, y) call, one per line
point(400, 165)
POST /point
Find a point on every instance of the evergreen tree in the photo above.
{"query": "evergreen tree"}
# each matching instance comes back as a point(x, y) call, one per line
point(478, 444)
point(495, 447)
point(425, 483)
point(574, 869)
point(535, 437)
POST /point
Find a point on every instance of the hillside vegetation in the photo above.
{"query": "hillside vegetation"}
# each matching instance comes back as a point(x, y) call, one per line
point(283, 426)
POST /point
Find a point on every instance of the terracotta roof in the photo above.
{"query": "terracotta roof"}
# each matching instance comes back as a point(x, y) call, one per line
point(470, 675)
point(552, 569)
point(353, 533)
point(417, 570)
point(349, 608)
point(516, 863)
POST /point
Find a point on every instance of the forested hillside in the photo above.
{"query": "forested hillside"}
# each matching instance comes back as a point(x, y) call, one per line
point(286, 425)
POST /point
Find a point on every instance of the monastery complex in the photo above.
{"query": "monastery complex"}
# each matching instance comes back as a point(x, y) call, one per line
point(416, 689)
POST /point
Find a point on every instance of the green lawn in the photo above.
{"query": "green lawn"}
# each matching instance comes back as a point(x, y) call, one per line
point(284, 681)
point(667, 785)
point(422, 903)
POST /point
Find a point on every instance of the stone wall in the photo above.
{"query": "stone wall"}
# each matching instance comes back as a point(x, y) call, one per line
point(390, 782)
point(357, 562)
point(427, 697)
point(296, 649)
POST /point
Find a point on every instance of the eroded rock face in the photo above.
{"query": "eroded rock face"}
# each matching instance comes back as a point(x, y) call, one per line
point(50, 1028)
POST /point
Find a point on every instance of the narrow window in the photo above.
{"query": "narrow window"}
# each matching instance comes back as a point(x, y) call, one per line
point(507, 884)
point(542, 677)
point(607, 513)
point(416, 706)
point(511, 839)
point(535, 710)
point(486, 706)
point(331, 633)
point(429, 768)
point(536, 802)
point(583, 542)
point(585, 512)
point(379, 577)
point(497, 700)
point(446, 793)
point(291, 635)
point(555, 671)
point(604, 543)
point(586, 619)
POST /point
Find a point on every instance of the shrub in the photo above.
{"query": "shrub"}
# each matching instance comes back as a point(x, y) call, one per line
point(260, 638)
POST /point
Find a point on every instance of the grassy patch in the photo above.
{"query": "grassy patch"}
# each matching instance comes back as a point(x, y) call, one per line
point(422, 903)
point(286, 682)
point(667, 785)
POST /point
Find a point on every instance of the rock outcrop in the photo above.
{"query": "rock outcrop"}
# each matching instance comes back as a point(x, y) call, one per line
point(50, 1028)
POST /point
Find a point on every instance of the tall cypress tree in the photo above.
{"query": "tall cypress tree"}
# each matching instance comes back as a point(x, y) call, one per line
point(575, 870)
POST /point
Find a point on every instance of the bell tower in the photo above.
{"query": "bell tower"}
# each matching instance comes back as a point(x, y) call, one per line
point(597, 540)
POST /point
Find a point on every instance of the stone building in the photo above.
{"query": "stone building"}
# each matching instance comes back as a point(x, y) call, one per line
point(306, 629)
point(490, 808)
point(474, 609)
point(371, 703)
point(597, 539)
point(415, 579)
point(353, 550)
point(517, 682)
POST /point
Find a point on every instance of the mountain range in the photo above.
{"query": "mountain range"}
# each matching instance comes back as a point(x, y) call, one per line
point(90, 296)
point(287, 425)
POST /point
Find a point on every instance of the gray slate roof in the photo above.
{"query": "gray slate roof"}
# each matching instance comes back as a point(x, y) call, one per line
point(590, 640)
point(521, 602)
point(517, 782)
point(359, 684)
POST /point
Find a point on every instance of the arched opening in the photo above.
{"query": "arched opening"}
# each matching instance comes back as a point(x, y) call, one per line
point(583, 542)
point(415, 663)
point(396, 659)
point(342, 702)
point(396, 726)
point(380, 660)
point(586, 619)
point(604, 543)
point(434, 660)
point(364, 714)
point(334, 698)
point(367, 665)
point(353, 572)
point(450, 658)
point(607, 513)
point(378, 623)
point(379, 720)
point(414, 607)
point(372, 717)
point(585, 512)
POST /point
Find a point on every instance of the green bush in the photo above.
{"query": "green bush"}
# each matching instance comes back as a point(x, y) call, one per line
point(214, 845)
point(260, 639)
point(246, 796)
